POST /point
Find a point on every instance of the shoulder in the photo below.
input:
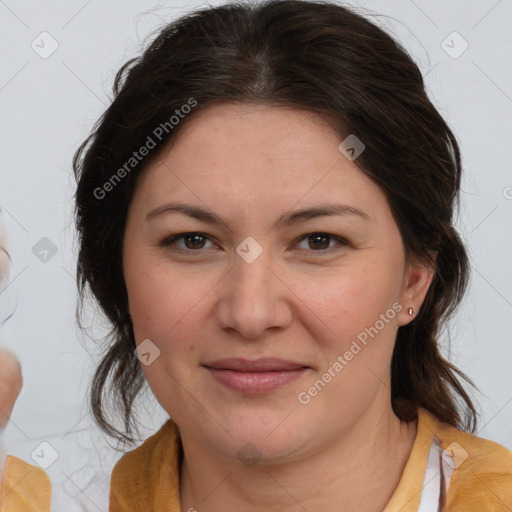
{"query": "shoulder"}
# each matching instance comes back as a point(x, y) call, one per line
point(138, 476)
point(24, 487)
point(482, 476)
point(482, 479)
point(145, 456)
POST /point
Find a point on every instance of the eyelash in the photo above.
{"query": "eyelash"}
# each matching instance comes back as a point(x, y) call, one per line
point(341, 241)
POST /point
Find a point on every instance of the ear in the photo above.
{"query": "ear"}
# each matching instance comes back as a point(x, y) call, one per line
point(417, 280)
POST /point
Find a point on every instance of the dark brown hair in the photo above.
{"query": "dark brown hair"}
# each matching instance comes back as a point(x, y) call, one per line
point(318, 56)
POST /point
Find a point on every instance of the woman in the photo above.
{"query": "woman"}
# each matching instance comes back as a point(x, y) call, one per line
point(265, 217)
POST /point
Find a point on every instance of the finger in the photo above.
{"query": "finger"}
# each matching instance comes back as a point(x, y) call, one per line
point(11, 382)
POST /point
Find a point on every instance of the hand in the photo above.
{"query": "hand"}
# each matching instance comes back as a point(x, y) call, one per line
point(10, 369)
point(11, 382)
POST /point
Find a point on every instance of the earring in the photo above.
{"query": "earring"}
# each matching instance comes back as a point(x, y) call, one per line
point(410, 311)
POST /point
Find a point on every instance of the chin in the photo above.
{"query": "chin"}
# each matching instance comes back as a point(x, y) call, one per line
point(269, 435)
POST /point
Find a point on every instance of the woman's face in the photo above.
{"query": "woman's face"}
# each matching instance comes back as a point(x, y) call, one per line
point(264, 325)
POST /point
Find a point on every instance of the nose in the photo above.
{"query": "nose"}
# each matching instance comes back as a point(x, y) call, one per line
point(254, 298)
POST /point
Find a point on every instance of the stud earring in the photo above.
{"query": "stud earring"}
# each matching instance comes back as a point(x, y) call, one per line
point(410, 311)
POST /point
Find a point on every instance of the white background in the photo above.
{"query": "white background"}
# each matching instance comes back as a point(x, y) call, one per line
point(48, 107)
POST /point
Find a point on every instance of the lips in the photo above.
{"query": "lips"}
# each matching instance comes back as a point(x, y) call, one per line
point(254, 377)
point(269, 364)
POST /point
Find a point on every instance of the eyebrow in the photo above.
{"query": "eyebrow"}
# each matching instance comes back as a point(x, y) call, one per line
point(286, 220)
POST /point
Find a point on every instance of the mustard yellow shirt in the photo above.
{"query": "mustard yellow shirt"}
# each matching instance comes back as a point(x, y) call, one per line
point(465, 472)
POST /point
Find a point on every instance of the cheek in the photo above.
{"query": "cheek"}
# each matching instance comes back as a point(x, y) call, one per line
point(361, 312)
point(349, 301)
point(166, 310)
point(165, 307)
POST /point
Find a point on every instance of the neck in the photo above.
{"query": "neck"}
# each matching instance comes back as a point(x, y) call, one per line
point(359, 472)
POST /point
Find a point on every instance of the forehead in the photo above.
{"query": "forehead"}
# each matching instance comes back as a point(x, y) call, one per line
point(257, 158)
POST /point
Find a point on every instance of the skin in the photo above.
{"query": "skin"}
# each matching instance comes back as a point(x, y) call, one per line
point(11, 382)
point(297, 301)
point(11, 379)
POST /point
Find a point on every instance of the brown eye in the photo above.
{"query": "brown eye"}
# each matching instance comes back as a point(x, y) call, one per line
point(194, 241)
point(189, 241)
point(321, 242)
